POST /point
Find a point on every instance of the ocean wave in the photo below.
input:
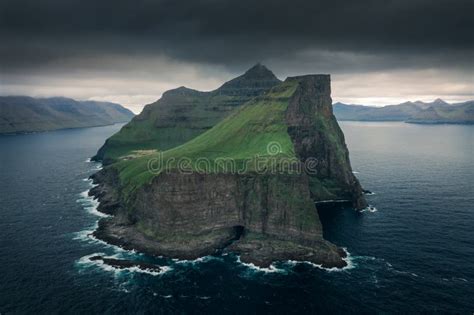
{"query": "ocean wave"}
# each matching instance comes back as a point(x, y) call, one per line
point(197, 260)
point(269, 269)
point(89, 181)
point(90, 204)
point(203, 297)
point(349, 259)
point(84, 235)
point(88, 237)
point(459, 279)
point(86, 261)
point(369, 209)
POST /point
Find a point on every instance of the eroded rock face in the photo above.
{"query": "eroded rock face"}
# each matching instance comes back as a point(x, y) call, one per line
point(264, 217)
point(195, 203)
point(316, 135)
point(190, 215)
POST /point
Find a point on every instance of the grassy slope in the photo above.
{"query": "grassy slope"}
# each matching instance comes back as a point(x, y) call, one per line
point(182, 114)
point(241, 136)
point(142, 134)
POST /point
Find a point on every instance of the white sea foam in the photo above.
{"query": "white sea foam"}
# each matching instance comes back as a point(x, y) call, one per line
point(269, 269)
point(348, 259)
point(90, 182)
point(203, 297)
point(85, 235)
point(87, 262)
point(196, 261)
point(164, 269)
point(90, 204)
point(88, 160)
point(369, 209)
point(355, 172)
point(88, 236)
point(459, 279)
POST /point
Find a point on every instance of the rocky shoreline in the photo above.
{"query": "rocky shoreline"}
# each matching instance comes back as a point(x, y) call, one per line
point(125, 263)
point(253, 248)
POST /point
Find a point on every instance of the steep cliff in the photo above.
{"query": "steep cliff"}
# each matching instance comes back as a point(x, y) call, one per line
point(247, 185)
point(182, 114)
point(319, 140)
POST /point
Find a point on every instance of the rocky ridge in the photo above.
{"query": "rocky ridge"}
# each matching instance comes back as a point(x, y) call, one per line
point(182, 114)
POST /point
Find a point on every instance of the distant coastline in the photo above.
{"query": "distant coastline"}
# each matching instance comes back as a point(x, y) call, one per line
point(436, 112)
point(24, 115)
point(70, 128)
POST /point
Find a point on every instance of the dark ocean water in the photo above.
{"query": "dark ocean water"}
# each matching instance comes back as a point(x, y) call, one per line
point(414, 254)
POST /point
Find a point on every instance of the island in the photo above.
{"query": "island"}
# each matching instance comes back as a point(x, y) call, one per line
point(246, 184)
point(23, 114)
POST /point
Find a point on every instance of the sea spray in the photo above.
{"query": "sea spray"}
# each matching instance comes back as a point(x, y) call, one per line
point(348, 259)
point(86, 261)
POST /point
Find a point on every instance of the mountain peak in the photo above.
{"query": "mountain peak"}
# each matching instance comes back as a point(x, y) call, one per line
point(439, 101)
point(251, 82)
point(180, 91)
point(259, 71)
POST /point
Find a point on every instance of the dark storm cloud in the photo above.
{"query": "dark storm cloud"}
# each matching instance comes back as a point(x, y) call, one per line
point(35, 33)
point(130, 52)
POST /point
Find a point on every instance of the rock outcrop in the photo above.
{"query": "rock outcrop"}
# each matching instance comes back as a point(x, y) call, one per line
point(319, 140)
point(263, 216)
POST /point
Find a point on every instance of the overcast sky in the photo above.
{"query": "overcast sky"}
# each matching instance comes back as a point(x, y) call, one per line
point(378, 52)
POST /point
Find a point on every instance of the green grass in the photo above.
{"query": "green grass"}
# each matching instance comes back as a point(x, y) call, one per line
point(243, 136)
point(142, 136)
point(170, 122)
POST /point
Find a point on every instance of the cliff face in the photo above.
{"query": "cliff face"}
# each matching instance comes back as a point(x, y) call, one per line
point(264, 216)
point(319, 141)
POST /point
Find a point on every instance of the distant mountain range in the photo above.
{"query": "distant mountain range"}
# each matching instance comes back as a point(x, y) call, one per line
point(436, 112)
point(20, 114)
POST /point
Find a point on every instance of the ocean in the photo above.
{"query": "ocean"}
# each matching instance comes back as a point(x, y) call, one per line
point(413, 252)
